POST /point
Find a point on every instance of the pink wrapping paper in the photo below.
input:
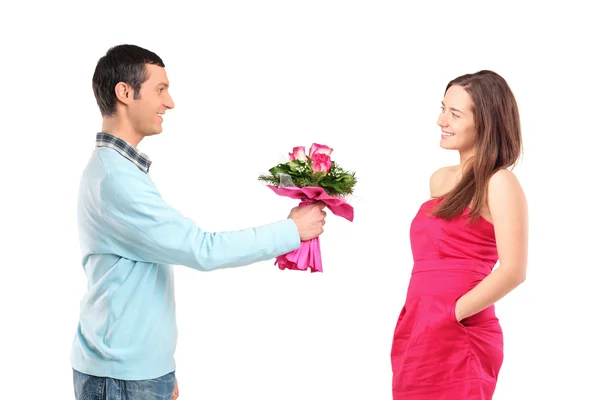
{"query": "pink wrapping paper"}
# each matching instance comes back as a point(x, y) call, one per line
point(308, 256)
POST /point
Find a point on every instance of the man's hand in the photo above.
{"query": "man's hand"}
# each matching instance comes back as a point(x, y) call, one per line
point(309, 220)
point(175, 392)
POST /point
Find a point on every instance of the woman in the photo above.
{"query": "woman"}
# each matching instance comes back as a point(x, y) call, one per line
point(448, 342)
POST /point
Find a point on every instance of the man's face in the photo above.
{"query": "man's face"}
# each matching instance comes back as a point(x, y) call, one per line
point(146, 112)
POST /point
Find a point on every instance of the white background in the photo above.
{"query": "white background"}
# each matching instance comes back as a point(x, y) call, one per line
point(251, 80)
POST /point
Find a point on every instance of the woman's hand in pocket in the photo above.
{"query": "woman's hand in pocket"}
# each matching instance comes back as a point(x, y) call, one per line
point(457, 310)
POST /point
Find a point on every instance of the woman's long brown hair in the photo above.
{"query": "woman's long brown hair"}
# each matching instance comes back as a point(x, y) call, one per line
point(498, 142)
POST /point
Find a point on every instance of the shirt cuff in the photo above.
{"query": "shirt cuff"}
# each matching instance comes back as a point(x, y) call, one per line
point(286, 235)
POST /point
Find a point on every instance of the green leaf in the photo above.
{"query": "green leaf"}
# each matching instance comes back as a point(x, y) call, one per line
point(295, 165)
point(281, 168)
point(335, 182)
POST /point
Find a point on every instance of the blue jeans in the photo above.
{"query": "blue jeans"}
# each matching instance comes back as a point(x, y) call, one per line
point(89, 387)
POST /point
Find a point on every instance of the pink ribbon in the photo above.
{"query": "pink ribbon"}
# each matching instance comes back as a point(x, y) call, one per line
point(308, 255)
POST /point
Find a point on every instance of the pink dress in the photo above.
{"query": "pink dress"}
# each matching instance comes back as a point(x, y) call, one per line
point(433, 355)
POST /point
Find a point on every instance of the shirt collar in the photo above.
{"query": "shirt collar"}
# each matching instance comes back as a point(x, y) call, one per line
point(140, 159)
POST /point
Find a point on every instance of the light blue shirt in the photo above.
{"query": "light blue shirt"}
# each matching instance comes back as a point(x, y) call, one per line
point(130, 238)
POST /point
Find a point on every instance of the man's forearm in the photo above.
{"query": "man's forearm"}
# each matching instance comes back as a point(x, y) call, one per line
point(145, 228)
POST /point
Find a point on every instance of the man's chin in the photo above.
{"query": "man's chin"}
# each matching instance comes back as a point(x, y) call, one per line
point(154, 132)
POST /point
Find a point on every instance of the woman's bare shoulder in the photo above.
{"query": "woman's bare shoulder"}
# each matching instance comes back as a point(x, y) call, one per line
point(442, 180)
point(504, 186)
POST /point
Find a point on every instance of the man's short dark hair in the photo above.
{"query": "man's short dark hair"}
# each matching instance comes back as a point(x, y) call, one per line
point(124, 63)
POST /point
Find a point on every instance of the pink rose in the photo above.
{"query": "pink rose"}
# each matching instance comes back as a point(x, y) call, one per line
point(320, 162)
point(319, 149)
point(298, 154)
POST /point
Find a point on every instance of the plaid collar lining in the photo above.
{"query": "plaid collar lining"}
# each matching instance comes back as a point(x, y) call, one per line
point(125, 149)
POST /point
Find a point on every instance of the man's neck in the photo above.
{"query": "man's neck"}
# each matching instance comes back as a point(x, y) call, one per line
point(121, 129)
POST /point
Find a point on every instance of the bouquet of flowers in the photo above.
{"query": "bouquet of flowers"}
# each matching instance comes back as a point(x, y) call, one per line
point(311, 178)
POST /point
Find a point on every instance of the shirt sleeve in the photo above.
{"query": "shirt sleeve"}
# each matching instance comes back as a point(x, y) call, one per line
point(145, 228)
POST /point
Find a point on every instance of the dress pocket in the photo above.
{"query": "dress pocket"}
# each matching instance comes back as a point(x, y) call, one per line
point(438, 349)
point(402, 332)
point(452, 314)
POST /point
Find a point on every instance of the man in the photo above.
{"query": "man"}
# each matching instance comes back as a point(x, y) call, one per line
point(126, 336)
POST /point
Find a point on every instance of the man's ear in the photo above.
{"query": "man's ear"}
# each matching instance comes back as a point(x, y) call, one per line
point(124, 93)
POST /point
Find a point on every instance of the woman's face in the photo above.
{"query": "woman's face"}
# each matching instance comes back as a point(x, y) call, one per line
point(457, 121)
